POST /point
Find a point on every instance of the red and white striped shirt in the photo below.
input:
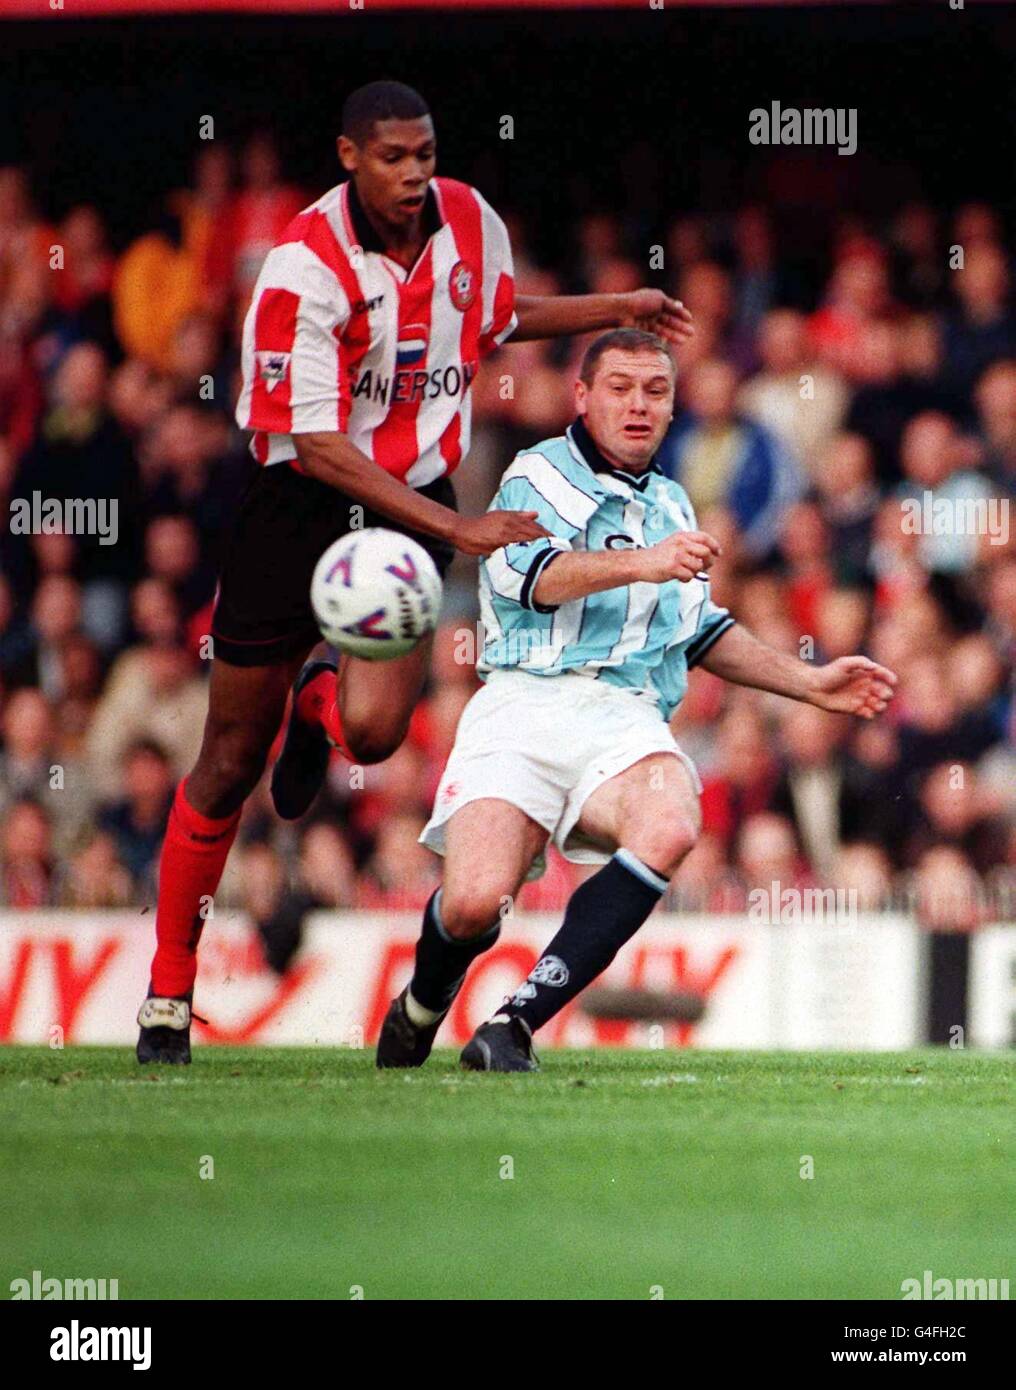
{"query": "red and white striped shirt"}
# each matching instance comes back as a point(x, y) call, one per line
point(339, 337)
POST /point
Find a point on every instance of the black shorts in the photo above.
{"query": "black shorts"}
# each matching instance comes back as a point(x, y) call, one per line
point(285, 522)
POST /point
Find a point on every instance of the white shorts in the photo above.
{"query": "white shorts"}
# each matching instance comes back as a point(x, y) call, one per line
point(544, 744)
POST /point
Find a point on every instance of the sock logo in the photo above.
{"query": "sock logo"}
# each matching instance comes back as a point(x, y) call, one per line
point(551, 970)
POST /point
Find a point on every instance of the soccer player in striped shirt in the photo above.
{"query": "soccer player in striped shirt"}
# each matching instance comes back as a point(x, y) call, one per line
point(368, 322)
point(591, 632)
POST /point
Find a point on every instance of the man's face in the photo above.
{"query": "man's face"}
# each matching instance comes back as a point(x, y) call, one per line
point(628, 406)
point(392, 168)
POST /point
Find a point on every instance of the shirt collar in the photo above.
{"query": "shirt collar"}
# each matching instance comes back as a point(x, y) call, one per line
point(368, 238)
point(586, 446)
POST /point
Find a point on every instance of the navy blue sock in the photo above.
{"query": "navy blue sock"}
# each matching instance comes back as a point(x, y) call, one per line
point(605, 912)
point(441, 961)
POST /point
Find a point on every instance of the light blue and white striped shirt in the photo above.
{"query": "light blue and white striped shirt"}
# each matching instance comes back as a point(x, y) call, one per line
point(643, 637)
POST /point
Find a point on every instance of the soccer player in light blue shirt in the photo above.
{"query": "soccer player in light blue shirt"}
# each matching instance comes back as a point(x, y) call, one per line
point(642, 637)
point(591, 632)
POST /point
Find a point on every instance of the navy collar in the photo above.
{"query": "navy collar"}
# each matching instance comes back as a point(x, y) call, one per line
point(586, 446)
point(368, 238)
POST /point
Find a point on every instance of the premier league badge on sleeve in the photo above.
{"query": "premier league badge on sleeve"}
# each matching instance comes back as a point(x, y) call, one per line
point(461, 286)
point(273, 367)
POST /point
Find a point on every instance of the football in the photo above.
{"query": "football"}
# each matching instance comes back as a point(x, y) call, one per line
point(375, 593)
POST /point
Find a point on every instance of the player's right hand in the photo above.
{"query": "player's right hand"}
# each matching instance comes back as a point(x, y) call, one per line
point(681, 556)
point(481, 535)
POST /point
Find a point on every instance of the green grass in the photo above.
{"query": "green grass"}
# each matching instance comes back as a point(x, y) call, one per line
point(631, 1169)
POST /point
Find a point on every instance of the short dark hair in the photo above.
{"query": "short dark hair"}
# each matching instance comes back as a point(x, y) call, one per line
point(628, 340)
point(380, 101)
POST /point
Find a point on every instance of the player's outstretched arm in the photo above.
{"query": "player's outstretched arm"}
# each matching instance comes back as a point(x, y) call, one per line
point(574, 574)
point(332, 458)
point(849, 685)
point(559, 316)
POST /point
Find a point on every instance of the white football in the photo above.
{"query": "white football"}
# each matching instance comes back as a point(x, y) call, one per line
point(375, 593)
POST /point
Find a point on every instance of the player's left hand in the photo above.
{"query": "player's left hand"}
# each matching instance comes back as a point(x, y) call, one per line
point(656, 313)
point(853, 685)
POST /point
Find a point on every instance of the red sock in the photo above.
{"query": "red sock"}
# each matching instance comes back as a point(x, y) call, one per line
point(317, 703)
point(194, 854)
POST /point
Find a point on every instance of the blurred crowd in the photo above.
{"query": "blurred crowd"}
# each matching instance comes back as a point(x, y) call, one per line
point(824, 391)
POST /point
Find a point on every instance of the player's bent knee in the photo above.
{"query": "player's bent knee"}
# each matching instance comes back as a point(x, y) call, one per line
point(663, 845)
point(465, 917)
point(372, 744)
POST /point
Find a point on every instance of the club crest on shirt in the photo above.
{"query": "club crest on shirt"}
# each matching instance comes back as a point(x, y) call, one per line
point(273, 367)
point(461, 286)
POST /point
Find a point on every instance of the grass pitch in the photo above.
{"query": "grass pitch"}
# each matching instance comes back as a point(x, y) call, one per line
point(679, 1171)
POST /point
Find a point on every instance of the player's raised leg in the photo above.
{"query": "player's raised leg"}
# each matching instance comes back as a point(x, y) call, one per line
point(648, 816)
point(363, 708)
point(245, 708)
point(489, 846)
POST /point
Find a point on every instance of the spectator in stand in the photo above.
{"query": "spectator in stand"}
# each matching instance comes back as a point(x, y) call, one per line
point(865, 872)
point(17, 645)
point(259, 213)
point(81, 677)
point(137, 821)
point(996, 409)
point(811, 792)
point(327, 868)
point(849, 501)
point(206, 218)
point(933, 727)
point(758, 282)
point(95, 877)
point(27, 860)
point(918, 260)
point(952, 812)
point(30, 767)
point(977, 678)
point(798, 399)
point(721, 458)
point(56, 618)
point(81, 288)
point(948, 893)
point(173, 554)
point(744, 776)
point(153, 693)
point(187, 472)
point(25, 757)
point(276, 911)
point(935, 471)
point(138, 397)
point(159, 283)
point(981, 329)
point(808, 559)
point(858, 295)
point(897, 370)
point(82, 453)
point(768, 853)
point(401, 873)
